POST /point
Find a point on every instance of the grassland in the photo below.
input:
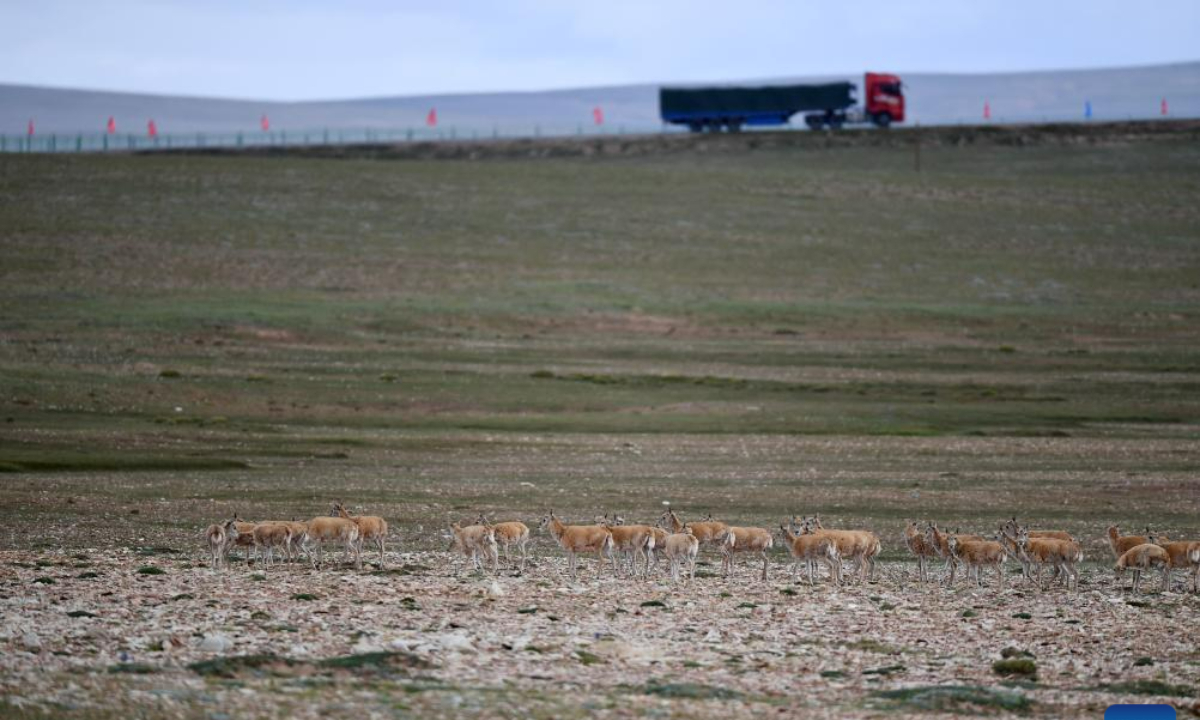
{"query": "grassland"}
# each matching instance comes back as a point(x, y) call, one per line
point(748, 331)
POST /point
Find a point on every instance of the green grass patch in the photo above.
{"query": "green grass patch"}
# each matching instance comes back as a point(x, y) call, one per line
point(970, 699)
point(1009, 667)
point(691, 691)
point(1148, 687)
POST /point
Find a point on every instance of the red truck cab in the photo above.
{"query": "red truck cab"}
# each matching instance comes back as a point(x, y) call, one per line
point(883, 99)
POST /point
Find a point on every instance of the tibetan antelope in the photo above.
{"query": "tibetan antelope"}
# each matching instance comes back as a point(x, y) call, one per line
point(1049, 551)
point(1122, 544)
point(370, 527)
point(270, 535)
point(859, 546)
point(680, 550)
point(914, 540)
point(704, 530)
point(1013, 527)
point(509, 534)
point(940, 542)
point(1143, 557)
point(632, 541)
point(1183, 555)
point(245, 537)
point(323, 529)
point(743, 540)
point(813, 549)
point(979, 554)
point(475, 541)
point(220, 537)
point(575, 539)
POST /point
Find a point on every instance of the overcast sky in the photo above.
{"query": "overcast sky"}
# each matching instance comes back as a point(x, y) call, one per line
point(304, 49)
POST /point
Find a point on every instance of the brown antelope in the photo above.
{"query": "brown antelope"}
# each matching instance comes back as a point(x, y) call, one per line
point(813, 549)
point(1013, 527)
point(979, 554)
point(475, 541)
point(575, 539)
point(914, 540)
point(680, 550)
point(370, 527)
point(1143, 557)
point(660, 542)
point(940, 542)
point(270, 535)
point(1183, 555)
point(509, 534)
point(704, 530)
point(220, 537)
point(743, 540)
point(1122, 544)
point(859, 546)
point(1049, 551)
point(321, 530)
point(632, 541)
point(245, 537)
point(295, 540)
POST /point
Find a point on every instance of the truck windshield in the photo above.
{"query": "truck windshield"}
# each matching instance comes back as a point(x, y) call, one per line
point(889, 88)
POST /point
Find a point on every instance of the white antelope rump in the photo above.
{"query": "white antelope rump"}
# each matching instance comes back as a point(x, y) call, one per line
point(860, 546)
point(680, 550)
point(477, 542)
point(914, 540)
point(813, 549)
point(508, 535)
point(735, 540)
point(370, 528)
point(979, 554)
point(219, 538)
point(1181, 555)
point(326, 529)
point(1143, 557)
point(574, 539)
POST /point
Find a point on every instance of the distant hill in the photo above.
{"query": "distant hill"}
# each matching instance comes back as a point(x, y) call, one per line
point(934, 98)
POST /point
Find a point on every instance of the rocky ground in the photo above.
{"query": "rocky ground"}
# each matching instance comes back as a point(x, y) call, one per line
point(149, 632)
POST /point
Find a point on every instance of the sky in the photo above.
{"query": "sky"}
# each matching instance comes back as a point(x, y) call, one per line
point(309, 50)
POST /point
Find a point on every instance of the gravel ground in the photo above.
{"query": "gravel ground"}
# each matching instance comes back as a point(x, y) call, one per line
point(92, 634)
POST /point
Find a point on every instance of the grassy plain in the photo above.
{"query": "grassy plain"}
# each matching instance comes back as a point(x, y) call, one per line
point(753, 332)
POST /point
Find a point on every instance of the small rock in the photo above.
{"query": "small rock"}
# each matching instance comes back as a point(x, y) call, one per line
point(216, 643)
point(495, 590)
point(455, 641)
point(31, 641)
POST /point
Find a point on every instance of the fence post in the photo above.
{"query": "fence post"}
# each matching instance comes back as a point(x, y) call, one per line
point(53, 143)
point(106, 142)
point(79, 143)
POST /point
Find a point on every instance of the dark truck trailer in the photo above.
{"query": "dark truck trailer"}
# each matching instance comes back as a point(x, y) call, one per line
point(829, 105)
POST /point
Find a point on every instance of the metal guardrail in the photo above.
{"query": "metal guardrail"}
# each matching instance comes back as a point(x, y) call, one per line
point(130, 142)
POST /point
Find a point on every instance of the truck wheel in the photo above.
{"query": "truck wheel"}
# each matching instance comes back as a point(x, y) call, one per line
point(883, 120)
point(813, 122)
point(733, 126)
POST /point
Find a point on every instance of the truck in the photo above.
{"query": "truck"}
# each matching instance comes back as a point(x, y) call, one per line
point(827, 105)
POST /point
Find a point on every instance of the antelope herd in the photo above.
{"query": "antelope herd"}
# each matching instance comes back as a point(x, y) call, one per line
point(635, 550)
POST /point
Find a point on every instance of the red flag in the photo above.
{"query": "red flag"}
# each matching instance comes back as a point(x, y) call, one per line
point(1163, 111)
point(29, 130)
point(987, 110)
point(431, 118)
point(598, 115)
point(112, 125)
point(152, 129)
point(264, 123)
